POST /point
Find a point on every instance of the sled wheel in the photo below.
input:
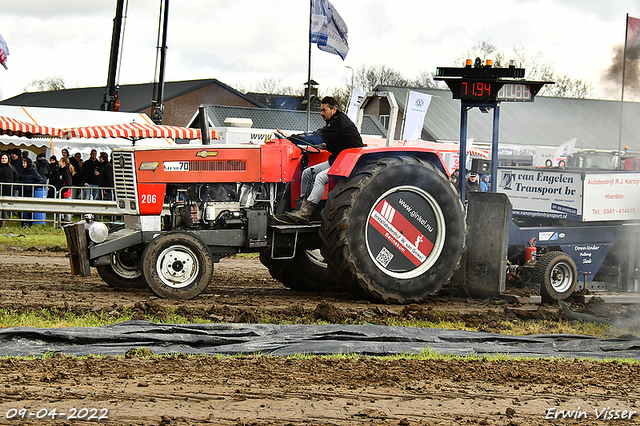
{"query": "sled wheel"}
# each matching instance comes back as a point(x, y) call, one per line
point(124, 270)
point(307, 271)
point(394, 229)
point(177, 265)
point(557, 274)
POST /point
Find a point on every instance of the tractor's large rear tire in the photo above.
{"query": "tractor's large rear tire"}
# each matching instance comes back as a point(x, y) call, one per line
point(307, 271)
point(394, 229)
point(557, 274)
point(177, 265)
point(124, 270)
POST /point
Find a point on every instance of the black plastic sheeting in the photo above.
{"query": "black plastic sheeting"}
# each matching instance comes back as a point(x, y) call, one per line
point(233, 339)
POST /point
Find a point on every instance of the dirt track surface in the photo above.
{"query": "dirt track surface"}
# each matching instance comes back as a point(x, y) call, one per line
point(181, 390)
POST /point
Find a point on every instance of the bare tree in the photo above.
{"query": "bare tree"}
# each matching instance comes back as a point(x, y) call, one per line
point(567, 87)
point(483, 50)
point(46, 85)
point(539, 68)
point(367, 78)
point(274, 86)
point(536, 67)
point(342, 94)
point(425, 81)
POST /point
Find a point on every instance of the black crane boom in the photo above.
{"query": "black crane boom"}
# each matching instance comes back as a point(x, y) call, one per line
point(110, 100)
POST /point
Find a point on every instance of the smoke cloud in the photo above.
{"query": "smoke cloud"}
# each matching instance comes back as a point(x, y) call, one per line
point(612, 77)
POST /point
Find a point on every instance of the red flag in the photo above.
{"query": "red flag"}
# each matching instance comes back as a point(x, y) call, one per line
point(4, 52)
point(633, 31)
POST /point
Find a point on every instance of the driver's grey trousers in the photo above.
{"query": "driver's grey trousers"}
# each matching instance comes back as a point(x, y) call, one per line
point(318, 177)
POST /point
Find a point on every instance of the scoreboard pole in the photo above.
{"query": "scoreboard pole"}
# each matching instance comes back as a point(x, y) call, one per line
point(462, 169)
point(494, 148)
point(462, 157)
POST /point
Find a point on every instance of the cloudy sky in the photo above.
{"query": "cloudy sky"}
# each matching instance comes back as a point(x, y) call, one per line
point(242, 42)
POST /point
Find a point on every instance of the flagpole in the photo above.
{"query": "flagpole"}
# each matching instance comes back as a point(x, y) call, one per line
point(624, 64)
point(404, 117)
point(309, 71)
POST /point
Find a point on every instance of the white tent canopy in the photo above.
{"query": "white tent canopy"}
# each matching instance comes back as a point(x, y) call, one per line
point(65, 118)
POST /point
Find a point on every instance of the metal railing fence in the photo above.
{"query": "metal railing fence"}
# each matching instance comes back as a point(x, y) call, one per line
point(41, 203)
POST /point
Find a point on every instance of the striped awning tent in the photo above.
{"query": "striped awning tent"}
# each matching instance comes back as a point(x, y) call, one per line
point(12, 127)
point(135, 131)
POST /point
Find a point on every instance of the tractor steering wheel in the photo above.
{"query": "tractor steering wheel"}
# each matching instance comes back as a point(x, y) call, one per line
point(304, 146)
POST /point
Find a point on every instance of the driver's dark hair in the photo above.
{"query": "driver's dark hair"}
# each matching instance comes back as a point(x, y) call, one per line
point(331, 101)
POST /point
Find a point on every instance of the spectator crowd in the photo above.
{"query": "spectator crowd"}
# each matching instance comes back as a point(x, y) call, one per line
point(89, 179)
point(471, 183)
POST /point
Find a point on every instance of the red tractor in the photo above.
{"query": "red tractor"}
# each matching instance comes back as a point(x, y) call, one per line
point(391, 226)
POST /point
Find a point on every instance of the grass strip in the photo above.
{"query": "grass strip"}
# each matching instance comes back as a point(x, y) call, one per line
point(427, 354)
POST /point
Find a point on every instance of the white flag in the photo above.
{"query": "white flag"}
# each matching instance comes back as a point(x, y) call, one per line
point(564, 151)
point(414, 114)
point(4, 52)
point(328, 30)
point(354, 105)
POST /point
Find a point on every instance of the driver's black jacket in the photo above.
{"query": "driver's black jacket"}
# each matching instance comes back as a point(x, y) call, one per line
point(338, 133)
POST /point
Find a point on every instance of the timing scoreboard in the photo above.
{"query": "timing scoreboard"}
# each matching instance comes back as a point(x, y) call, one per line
point(469, 90)
point(488, 84)
point(493, 91)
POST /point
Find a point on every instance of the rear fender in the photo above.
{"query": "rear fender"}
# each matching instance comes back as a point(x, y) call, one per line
point(348, 159)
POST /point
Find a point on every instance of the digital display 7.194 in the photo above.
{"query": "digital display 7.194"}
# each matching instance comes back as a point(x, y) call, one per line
point(477, 90)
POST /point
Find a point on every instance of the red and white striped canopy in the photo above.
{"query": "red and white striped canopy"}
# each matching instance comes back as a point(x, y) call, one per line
point(13, 127)
point(135, 131)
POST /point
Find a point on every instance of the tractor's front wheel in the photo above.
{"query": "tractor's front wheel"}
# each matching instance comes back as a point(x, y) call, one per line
point(177, 265)
point(394, 229)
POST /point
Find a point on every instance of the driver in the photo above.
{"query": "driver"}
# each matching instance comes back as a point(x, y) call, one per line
point(339, 133)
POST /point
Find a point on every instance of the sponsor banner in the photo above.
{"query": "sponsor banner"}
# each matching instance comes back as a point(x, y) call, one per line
point(415, 111)
point(400, 234)
point(611, 196)
point(542, 193)
point(354, 104)
point(399, 237)
point(564, 150)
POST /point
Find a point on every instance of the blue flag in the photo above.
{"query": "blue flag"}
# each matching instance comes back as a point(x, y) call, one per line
point(328, 30)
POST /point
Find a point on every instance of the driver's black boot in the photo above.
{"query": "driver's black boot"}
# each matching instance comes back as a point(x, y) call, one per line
point(303, 215)
point(299, 201)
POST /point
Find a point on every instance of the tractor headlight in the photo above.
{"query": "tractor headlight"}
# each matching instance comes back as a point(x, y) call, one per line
point(150, 165)
point(98, 232)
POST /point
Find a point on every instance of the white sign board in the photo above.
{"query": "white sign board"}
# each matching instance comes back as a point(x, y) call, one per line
point(542, 193)
point(611, 196)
